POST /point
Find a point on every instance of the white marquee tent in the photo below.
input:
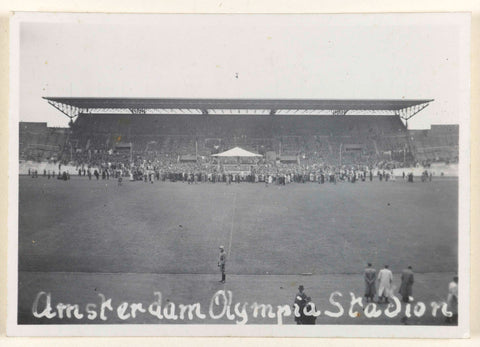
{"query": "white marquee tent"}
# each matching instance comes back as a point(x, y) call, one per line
point(236, 152)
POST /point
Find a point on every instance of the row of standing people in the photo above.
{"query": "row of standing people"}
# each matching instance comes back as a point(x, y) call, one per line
point(385, 291)
point(382, 286)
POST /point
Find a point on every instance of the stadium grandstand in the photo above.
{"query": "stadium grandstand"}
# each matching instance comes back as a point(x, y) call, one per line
point(303, 132)
point(439, 143)
point(39, 142)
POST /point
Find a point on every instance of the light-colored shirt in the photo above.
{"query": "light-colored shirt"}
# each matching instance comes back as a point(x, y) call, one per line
point(453, 289)
point(385, 278)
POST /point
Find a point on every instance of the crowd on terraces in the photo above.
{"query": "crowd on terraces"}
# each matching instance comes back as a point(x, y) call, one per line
point(317, 159)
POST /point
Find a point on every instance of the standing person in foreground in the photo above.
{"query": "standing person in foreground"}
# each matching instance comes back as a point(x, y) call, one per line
point(300, 302)
point(406, 288)
point(221, 263)
point(407, 284)
point(452, 301)
point(385, 279)
point(370, 276)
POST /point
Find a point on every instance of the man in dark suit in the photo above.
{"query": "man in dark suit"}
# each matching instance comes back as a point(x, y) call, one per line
point(407, 284)
point(300, 301)
point(406, 287)
point(370, 276)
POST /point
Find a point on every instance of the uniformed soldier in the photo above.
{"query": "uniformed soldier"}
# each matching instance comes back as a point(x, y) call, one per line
point(221, 263)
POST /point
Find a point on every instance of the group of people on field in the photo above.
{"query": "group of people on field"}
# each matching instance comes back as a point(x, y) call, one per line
point(376, 285)
point(381, 285)
point(280, 173)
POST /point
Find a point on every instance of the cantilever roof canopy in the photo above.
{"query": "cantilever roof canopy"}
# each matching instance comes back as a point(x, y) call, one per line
point(72, 107)
point(292, 104)
point(236, 152)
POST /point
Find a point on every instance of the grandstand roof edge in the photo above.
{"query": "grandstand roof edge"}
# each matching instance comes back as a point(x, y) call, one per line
point(244, 103)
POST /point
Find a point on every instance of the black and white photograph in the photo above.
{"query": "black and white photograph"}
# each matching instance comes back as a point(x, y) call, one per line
point(239, 175)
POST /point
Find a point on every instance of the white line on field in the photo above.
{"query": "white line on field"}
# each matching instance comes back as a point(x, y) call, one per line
point(231, 226)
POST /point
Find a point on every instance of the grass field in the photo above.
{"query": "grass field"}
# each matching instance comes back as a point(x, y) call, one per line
point(176, 228)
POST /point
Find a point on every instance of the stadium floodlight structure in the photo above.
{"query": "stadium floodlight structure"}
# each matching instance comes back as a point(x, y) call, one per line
point(403, 108)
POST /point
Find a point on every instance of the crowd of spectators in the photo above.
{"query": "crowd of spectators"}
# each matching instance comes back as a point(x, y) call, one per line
point(151, 168)
point(355, 156)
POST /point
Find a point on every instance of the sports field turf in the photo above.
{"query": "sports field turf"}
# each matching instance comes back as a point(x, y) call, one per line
point(176, 228)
